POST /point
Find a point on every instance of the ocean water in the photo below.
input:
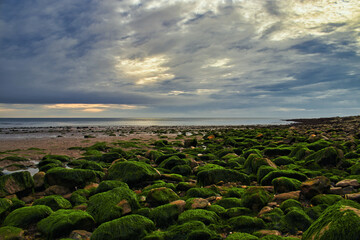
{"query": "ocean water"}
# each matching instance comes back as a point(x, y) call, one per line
point(62, 122)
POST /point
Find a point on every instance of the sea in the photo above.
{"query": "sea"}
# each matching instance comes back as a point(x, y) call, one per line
point(144, 122)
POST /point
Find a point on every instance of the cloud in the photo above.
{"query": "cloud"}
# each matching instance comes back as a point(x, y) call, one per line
point(182, 57)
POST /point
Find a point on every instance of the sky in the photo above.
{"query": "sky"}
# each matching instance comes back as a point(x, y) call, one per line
point(179, 58)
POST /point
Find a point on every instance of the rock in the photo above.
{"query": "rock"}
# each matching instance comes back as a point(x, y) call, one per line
point(160, 196)
point(348, 182)
point(279, 198)
point(16, 183)
point(57, 190)
point(133, 227)
point(329, 156)
point(255, 198)
point(336, 190)
point(205, 216)
point(315, 186)
point(63, 222)
point(265, 232)
point(199, 203)
point(246, 224)
point(213, 176)
point(39, 179)
point(55, 202)
point(180, 204)
point(91, 186)
point(166, 215)
point(296, 220)
point(23, 217)
point(132, 172)
point(200, 192)
point(192, 230)
point(290, 203)
point(125, 206)
point(11, 233)
point(72, 178)
point(348, 190)
point(28, 199)
point(111, 210)
point(282, 173)
point(235, 212)
point(284, 184)
point(109, 184)
point(328, 199)
point(340, 221)
point(264, 210)
point(5, 205)
point(229, 202)
point(353, 196)
point(241, 236)
point(173, 161)
point(80, 235)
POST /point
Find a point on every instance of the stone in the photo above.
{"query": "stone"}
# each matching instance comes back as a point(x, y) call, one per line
point(353, 196)
point(279, 198)
point(348, 182)
point(199, 203)
point(160, 196)
point(57, 190)
point(16, 183)
point(315, 186)
point(80, 235)
point(336, 190)
point(11, 233)
point(39, 179)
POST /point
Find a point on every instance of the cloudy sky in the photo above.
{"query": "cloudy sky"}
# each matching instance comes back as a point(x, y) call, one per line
point(179, 58)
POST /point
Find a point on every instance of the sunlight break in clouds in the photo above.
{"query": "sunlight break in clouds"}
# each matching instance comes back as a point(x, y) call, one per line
point(92, 107)
point(144, 71)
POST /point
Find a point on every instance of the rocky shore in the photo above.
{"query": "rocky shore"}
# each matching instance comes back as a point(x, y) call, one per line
point(296, 181)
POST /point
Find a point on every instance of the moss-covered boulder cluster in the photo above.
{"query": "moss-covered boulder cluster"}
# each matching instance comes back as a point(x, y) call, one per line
point(279, 182)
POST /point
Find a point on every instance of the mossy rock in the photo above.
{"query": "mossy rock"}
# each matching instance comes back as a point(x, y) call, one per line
point(213, 176)
point(282, 173)
point(132, 172)
point(205, 216)
point(158, 184)
point(184, 170)
point(52, 162)
point(255, 198)
point(328, 199)
point(254, 162)
point(84, 164)
point(318, 145)
point(219, 210)
point(48, 166)
point(133, 227)
point(329, 156)
point(284, 184)
point(160, 196)
point(190, 230)
point(340, 221)
point(62, 158)
point(107, 185)
point(16, 203)
point(62, 222)
point(283, 160)
point(246, 224)
point(11, 233)
point(296, 220)
point(55, 202)
point(315, 212)
point(241, 236)
point(165, 215)
point(107, 206)
point(200, 192)
point(190, 143)
point(355, 169)
point(234, 192)
point(300, 152)
point(290, 203)
point(273, 218)
point(16, 183)
point(23, 217)
point(229, 202)
point(206, 167)
point(155, 235)
point(237, 211)
point(15, 159)
point(79, 197)
point(110, 157)
point(72, 178)
point(172, 162)
point(252, 151)
point(263, 171)
point(5, 207)
point(276, 151)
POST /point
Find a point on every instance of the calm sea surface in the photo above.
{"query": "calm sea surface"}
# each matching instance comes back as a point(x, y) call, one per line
point(60, 122)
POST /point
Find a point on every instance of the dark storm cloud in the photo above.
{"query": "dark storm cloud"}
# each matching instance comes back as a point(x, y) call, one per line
point(182, 56)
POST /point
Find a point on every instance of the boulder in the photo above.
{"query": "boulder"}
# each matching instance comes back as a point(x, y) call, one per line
point(63, 222)
point(315, 186)
point(213, 176)
point(284, 184)
point(282, 173)
point(329, 156)
point(192, 230)
point(55, 202)
point(132, 172)
point(11, 233)
point(255, 198)
point(348, 182)
point(205, 216)
point(109, 205)
point(16, 183)
point(340, 221)
point(165, 215)
point(133, 227)
point(39, 179)
point(72, 178)
point(160, 196)
point(246, 224)
point(23, 217)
